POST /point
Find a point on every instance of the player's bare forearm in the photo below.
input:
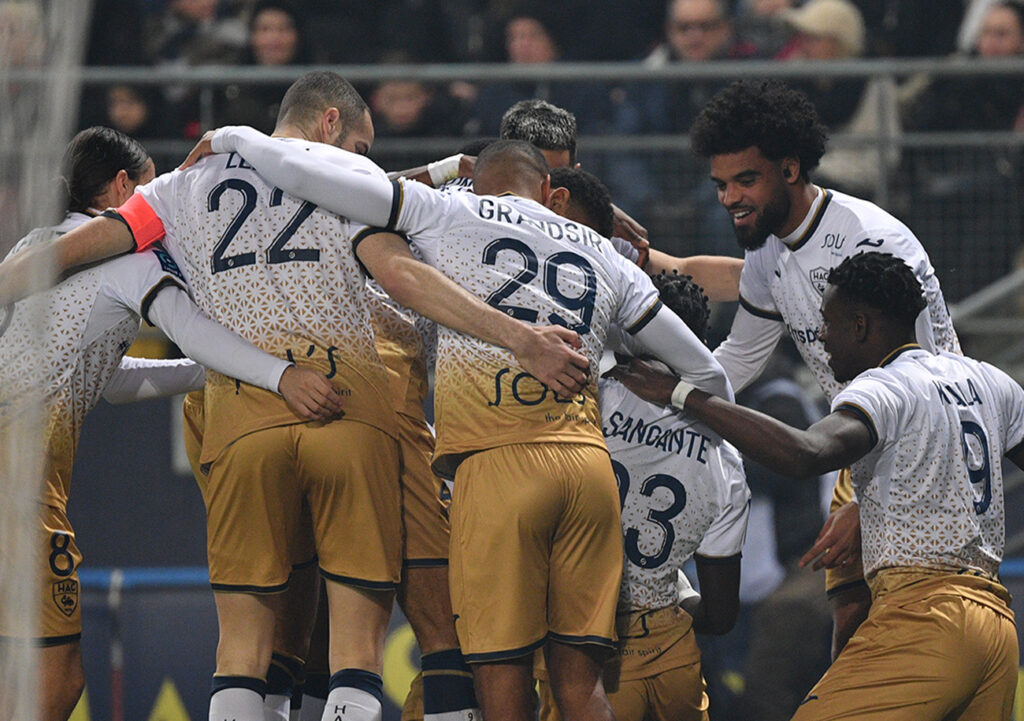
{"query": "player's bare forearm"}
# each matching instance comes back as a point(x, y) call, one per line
point(718, 275)
point(835, 441)
point(545, 352)
point(41, 266)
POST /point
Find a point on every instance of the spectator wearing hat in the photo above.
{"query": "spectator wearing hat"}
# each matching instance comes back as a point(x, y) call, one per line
point(826, 30)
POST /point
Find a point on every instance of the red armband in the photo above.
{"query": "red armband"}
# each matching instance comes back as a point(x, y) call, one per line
point(142, 221)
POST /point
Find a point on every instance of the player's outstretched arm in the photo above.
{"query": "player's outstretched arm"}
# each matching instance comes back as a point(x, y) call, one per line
point(746, 351)
point(545, 352)
point(140, 379)
point(718, 275)
point(668, 338)
point(98, 239)
point(439, 172)
point(835, 441)
point(336, 180)
point(308, 393)
point(719, 605)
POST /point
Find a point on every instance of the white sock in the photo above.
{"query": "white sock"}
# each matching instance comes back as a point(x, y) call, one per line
point(276, 707)
point(312, 708)
point(351, 704)
point(236, 704)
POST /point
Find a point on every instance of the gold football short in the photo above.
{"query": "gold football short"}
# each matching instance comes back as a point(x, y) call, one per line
point(931, 644)
point(59, 613)
point(536, 549)
point(347, 473)
point(655, 675)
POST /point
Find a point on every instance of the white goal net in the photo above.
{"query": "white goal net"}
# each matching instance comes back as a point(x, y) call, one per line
point(41, 49)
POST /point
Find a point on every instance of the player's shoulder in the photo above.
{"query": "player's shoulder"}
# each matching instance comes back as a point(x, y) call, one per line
point(866, 226)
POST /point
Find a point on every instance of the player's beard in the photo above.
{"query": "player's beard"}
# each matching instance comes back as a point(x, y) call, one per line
point(768, 219)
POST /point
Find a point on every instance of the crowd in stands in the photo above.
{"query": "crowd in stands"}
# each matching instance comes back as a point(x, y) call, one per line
point(655, 32)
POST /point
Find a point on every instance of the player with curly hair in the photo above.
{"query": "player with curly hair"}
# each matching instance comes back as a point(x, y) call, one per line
point(926, 435)
point(763, 141)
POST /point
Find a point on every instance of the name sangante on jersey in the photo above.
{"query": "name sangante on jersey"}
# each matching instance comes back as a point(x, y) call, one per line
point(681, 441)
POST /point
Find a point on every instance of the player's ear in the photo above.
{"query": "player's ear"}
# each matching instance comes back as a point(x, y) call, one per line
point(330, 124)
point(791, 169)
point(558, 200)
point(862, 325)
point(545, 190)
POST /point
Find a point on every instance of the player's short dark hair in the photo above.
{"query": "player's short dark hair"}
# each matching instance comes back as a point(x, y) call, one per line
point(93, 158)
point(547, 126)
point(685, 298)
point(778, 120)
point(589, 195)
point(314, 92)
point(881, 281)
point(514, 156)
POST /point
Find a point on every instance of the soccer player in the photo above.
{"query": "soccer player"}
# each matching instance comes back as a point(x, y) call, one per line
point(926, 435)
point(272, 266)
point(683, 495)
point(763, 140)
point(493, 417)
point(88, 321)
point(553, 131)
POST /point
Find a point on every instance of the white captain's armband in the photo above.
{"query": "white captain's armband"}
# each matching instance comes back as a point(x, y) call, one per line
point(441, 171)
point(679, 394)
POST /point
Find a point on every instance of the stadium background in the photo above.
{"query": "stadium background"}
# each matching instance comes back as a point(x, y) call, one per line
point(150, 631)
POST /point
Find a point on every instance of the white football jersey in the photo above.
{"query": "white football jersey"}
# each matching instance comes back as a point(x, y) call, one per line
point(280, 272)
point(682, 488)
point(784, 280)
point(91, 319)
point(538, 267)
point(931, 488)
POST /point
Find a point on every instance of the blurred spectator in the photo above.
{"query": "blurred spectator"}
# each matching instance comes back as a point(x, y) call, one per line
point(191, 32)
point(135, 112)
point(976, 103)
point(760, 23)
point(827, 30)
point(531, 36)
point(410, 109)
point(276, 37)
point(695, 31)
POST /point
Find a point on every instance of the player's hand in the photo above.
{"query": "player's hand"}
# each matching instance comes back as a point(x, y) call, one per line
point(838, 542)
point(203, 148)
point(629, 230)
point(649, 379)
point(549, 354)
point(310, 395)
point(467, 163)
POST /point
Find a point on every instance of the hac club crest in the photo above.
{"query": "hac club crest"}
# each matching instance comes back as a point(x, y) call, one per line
point(65, 595)
point(819, 279)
